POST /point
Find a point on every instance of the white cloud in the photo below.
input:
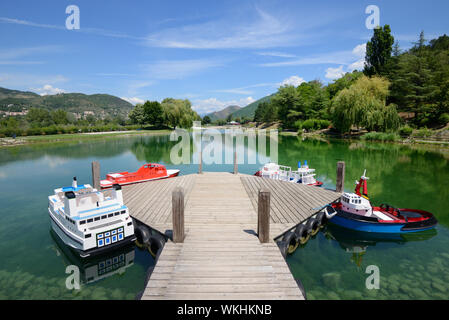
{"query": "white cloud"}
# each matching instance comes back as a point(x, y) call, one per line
point(292, 81)
point(277, 54)
point(133, 100)
point(12, 56)
point(358, 65)
point(263, 31)
point(179, 69)
point(20, 80)
point(48, 90)
point(100, 32)
point(340, 57)
point(334, 73)
point(244, 90)
point(206, 106)
point(360, 50)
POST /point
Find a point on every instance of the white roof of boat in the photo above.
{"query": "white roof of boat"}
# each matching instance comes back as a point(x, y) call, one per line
point(115, 175)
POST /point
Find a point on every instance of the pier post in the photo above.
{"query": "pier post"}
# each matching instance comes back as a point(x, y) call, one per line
point(236, 166)
point(263, 218)
point(178, 215)
point(200, 163)
point(96, 175)
point(340, 176)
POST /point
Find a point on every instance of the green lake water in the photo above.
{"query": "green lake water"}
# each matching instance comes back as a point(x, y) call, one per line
point(330, 266)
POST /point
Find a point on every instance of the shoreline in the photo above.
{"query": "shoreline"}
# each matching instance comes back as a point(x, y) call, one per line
point(29, 140)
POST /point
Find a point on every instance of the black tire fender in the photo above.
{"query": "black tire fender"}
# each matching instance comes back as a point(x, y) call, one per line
point(321, 217)
point(313, 226)
point(291, 242)
point(156, 244)
point(301, 233)
point(142, 234)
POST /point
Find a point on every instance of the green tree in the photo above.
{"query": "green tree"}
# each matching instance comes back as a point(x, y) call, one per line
point(343, 83)
point(59, 116)
point(364, 105)
point(153, 113)
point(179, 113)
point(288, 105)
point(137, 115)
point(38, 117)
point(378, 51)
point(206, 120)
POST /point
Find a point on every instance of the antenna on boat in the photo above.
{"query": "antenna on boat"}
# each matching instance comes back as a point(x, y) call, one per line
point(364, 177)
point(74, 183)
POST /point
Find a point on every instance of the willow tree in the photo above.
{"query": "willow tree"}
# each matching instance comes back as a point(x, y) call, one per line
point(364, 105)
point(179, 113)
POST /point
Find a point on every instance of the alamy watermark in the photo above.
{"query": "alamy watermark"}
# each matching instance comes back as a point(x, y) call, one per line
point(373, 20)
point(72, 22)
point(72, 282)
point(373, 280)
point(218, 146)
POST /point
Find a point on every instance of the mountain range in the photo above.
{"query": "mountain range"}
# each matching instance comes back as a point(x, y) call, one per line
point(15, 100)
point(238, 112)
point(223, 114)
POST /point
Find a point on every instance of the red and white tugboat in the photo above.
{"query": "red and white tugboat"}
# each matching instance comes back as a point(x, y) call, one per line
point(147, 172)
point(354, 211)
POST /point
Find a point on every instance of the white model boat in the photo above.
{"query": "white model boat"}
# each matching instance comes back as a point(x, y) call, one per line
point(88, 221)
point(303, 175)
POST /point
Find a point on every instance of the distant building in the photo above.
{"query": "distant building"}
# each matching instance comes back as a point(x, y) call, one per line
point(14, 113)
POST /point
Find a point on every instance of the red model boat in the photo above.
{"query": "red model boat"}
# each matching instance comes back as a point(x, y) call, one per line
point(354, 211)
point(147, 172)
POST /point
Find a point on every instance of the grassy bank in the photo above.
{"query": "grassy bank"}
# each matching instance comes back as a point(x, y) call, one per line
point(5, 142)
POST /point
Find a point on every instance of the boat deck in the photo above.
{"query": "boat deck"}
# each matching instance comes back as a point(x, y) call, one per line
point(221, 256)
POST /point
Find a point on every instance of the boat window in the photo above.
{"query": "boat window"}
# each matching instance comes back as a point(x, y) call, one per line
point(123, 212)
point(110, 215)
point(97, 218)
point(90, 220)
point(82, 221)
point(117, 213)
point(103, 217)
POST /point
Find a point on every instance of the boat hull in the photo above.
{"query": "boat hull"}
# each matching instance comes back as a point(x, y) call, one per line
point(77, 246)
point(106, 184)
point(366, 224)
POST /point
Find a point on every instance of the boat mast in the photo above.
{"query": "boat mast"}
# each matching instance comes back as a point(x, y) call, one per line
point(364, 184)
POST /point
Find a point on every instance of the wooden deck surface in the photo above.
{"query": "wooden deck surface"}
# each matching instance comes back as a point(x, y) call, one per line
point(221, 257)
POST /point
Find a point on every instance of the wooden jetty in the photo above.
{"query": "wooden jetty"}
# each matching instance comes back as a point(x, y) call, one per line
point(223, 226)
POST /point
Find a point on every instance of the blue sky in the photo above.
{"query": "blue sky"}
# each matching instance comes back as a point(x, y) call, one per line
point(214, 53)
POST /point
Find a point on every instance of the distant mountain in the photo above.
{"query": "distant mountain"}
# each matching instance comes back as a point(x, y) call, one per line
point(223, 114)
point(250, 109)
point(72, 102)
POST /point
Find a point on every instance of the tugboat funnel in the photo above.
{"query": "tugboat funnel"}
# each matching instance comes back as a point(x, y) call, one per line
point(74, 183)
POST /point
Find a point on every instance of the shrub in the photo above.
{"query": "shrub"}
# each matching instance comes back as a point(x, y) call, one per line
point(405, 131)
point(380, 136)
point(444, 118)
point(315, 124)
point(423, 133)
